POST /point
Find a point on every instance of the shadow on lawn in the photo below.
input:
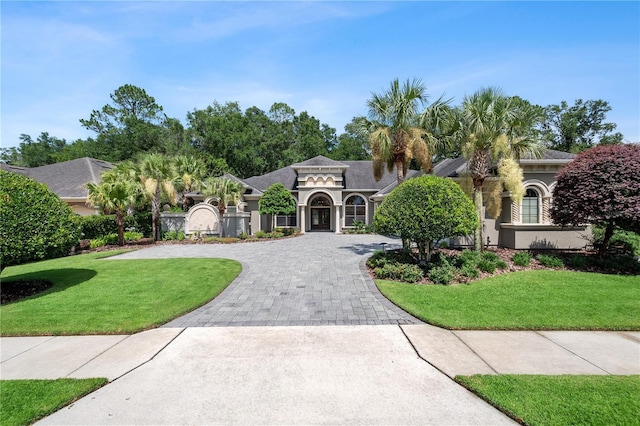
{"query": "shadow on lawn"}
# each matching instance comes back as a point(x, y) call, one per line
point(30, 285)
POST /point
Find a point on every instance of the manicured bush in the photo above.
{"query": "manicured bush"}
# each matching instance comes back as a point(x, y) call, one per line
point(444, 273)
point(486, 266)
point(35, 223)
point(522, 259)
point(95, 226)
point(400, 272)
point(469, 271)
point(550, 261)
point(424, 210)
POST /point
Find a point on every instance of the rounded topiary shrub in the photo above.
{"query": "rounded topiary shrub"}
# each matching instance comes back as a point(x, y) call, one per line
point(35, 223)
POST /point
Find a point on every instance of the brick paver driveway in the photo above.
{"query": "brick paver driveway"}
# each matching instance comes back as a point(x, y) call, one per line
point(314, 279)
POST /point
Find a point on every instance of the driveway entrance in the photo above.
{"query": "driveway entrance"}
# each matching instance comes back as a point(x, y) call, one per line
point(313, 279)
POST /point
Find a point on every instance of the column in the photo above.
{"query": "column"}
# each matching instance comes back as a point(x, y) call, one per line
point(303, 222)
point(338, 221)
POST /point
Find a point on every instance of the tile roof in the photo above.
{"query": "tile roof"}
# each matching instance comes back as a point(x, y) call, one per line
point(66, 179)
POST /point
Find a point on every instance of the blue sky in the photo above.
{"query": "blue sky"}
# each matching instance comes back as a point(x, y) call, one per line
point(61, 60)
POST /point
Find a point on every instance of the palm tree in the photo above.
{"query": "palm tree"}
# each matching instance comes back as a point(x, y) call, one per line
point(491, 127)
point(157, 175)
point(398, 132)
point(114, 195)
point(227, 191)
point(190, 172)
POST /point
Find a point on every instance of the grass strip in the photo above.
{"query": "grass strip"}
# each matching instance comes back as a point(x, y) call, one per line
point(25, 401)
point(527, 300)
point(111, 296)
point(561, 400)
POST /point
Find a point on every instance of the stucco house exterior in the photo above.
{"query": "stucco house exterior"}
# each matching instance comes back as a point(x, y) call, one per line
point(68, 179)
point(331, 195)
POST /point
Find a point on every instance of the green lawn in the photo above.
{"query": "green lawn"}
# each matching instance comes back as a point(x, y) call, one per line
point(561, 400)
point(101, 296)
point(25, 401)
point(531, 300)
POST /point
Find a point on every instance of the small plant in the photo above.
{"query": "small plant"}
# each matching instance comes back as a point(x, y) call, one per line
point(489, 256)
point(550, 261)
point(577, 261)
point(467, 257)
point(501, 264)
point(400, 272)
point(522, 259)
point(469, 271)
point(442, 274)
point(486, 266)
point(169, 236)
point(132, 236)
point(243, 236)
point(261, 234)
point(377, 259)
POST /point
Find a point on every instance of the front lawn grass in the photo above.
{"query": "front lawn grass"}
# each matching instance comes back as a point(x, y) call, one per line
point(561, 400)
point(109, 296)
point(527, 300)
point(25, 401)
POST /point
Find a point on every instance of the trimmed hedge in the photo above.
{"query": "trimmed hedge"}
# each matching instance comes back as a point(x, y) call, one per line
point(35, 224)
point(97, 226)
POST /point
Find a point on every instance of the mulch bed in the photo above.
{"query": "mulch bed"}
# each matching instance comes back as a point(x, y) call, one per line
point(16, 290)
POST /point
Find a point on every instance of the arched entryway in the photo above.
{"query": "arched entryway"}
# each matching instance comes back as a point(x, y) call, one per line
point(320, 209)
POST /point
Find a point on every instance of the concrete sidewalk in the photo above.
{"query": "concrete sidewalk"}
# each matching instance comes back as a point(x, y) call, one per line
point(386, 374)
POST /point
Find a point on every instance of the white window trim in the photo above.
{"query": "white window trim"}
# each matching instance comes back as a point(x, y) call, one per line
point(344, 209)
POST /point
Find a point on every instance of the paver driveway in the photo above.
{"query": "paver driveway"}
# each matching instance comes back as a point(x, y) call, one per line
point(313, 279)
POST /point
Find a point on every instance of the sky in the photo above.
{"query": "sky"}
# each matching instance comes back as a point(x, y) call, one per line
point(60, 60)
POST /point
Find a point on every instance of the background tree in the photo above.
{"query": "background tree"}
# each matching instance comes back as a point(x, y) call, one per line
point(130, 125)
point(116, 196)
point(276, 200)
point(490, 127)
point(352, 144)
point(395, 131)
point(30, 153)
point(35, 223)
point(426, 210)
point(157, 175)
point(601, 186)
point(578, 127)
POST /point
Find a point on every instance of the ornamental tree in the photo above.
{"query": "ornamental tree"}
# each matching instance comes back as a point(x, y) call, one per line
point(35, 223)
point(276, 200)
point(425, 210)
point(601, 186)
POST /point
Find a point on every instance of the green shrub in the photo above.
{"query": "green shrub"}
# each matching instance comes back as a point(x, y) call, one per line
point(469, 271)
point(260, 234)
point(467, 257)
point(243, 236)
point(169, 236)
point(400, 272)
point(377, 259)
point(35, 223)
point(442, 274)
point(486, 266)
point(522, 259)
point(105, 240)
point(629, 240)
point(489, 256)
point(501, 264)
point(577, 261)
point(550, 261)
point(275, 234)
point(133, 236)
point(619, 264)
point(95, 226)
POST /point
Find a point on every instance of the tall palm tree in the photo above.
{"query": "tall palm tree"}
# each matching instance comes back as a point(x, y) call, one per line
point(190, 171)
point(396, 128)
point(491, 127)
point(115, 195)
point(157, 175)
point(227, 191)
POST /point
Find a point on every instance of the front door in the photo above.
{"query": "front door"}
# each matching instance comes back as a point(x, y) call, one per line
point(320, 218)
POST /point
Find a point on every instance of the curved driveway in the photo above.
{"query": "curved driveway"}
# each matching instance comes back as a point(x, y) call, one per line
point(313, 279)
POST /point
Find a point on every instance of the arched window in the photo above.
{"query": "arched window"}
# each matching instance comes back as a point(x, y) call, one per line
point(355, 209)
point(320, 201)
point(531, 206)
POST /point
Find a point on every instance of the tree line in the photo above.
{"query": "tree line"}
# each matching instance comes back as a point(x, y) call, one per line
point(254, 142)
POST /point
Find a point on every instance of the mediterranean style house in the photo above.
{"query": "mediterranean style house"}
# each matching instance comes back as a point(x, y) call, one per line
point(333, 196)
